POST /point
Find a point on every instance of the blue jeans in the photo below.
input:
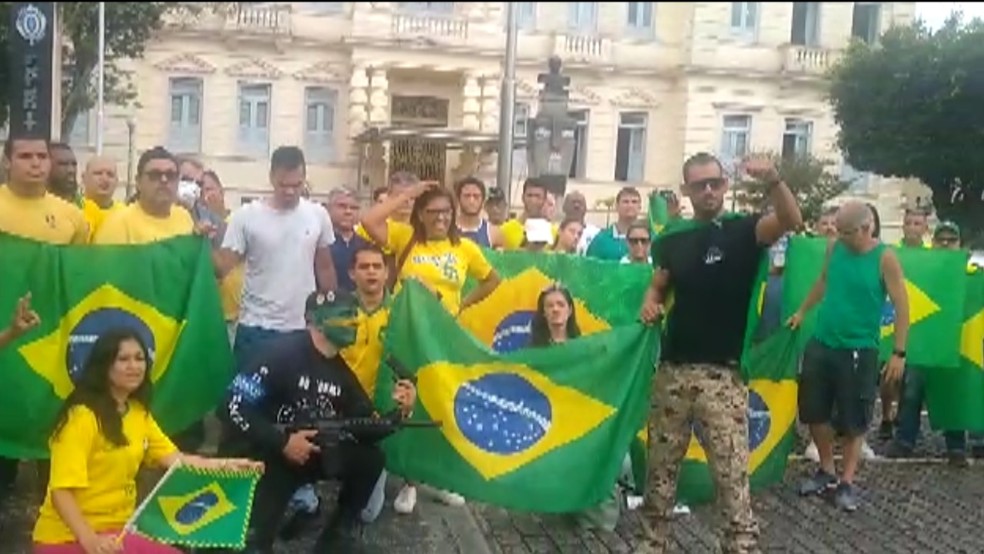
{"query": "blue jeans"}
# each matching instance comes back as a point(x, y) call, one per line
point(305, 499)
point(247, 341)
point(910, 414)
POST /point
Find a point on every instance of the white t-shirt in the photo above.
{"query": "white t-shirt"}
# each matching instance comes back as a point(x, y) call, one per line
point(278, 247)
point(587, 235)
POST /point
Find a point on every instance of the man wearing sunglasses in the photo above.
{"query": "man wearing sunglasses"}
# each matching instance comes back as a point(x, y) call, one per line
point(709, 263)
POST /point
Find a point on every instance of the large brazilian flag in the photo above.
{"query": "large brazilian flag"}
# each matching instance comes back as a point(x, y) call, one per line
point(166, 291)
point(538, 429)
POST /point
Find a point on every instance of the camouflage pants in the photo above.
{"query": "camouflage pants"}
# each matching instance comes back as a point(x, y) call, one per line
point(715, 398)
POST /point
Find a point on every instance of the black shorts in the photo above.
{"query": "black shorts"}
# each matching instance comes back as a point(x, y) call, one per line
point(838, 386)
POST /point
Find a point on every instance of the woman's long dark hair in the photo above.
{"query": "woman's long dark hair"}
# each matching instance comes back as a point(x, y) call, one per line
point(92, 388)
point(416, 219)
point(875, 221)
point(540, 329)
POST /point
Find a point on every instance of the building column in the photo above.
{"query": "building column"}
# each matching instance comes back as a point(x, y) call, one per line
point(490, 104)
point(472, 103)
point(379, 116)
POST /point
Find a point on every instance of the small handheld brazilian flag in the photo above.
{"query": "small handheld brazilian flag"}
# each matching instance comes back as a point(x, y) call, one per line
point(203, 508)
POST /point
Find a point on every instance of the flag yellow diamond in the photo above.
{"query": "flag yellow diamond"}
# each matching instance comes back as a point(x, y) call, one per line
point(61, 354)
point(972, 339)
point(921, 306)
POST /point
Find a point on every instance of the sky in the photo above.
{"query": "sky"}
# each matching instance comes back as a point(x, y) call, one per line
point(934, 14)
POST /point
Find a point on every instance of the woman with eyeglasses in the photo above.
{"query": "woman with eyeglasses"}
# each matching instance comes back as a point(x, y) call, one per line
point(103, 434)
point(430, 250)
point(639, 241)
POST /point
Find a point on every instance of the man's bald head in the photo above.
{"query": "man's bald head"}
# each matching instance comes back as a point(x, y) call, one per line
point(99, 179)
point(575, 206)
point(854, 215)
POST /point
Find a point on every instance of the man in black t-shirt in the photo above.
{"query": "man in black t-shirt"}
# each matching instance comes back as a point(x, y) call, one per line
point(709, 264)
point(295, 380)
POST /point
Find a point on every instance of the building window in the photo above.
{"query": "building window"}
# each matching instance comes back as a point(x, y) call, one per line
point(442, 8)
point(185, 130)
point(736, 132)
point(525, 15)
point(630, 149)
point(640, 20)
point(579, 161)
point(81, 134)
point(582, 17)
point(744, 18)
point(805, 29)
point(254, 120)
point(319, 123)
point(859, 181)
point(797, 139)
point(866, 21)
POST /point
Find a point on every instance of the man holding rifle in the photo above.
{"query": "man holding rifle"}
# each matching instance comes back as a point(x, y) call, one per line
point(273, 412)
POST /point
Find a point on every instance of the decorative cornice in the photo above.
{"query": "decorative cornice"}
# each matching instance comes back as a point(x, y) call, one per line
point(254, 68)
point(185, 63)
point(584, 96)
point(737, 107)
point(635, 98)
point(526, 89)
point(322, 72)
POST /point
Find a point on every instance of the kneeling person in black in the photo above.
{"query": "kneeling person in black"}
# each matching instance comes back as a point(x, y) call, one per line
point(297, 380)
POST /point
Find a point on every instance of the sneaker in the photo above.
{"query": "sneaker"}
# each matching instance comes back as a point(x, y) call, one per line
point(846, 497)
point(812, 453)
point(867, 453)
point(298, 521)
point(957, 458)
point(406, 500)
point(818, 483)
point(681, 510)
point(886, 431)
point(340, 535)
point(633, 502)
point(451, 498)
point(897, 450)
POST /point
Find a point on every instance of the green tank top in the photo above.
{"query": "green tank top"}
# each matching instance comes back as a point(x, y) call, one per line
point(851, 311)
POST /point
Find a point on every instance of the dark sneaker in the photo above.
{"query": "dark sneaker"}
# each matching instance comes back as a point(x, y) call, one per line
point(818, 483)
point(886, 431)
point(342, 534)
point(897, 450)
point(957, 458)
point(299, 521)
point(846, 497)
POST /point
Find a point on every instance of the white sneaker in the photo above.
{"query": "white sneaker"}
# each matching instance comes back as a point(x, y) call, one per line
point(451, 498)
point(866, 452)
point(406, 500)
point(681, 510)
point(633, 502)
point(812, 453)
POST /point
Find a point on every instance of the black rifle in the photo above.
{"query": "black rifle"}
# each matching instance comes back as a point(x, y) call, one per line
point(360, 430)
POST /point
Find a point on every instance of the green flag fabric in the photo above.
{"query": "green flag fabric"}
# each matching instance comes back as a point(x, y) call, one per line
point(516, 426)
point(659, 213)
point(605, 294)
point(935, 284)
point(955, 395)
point(166, 291)
point(199, 508)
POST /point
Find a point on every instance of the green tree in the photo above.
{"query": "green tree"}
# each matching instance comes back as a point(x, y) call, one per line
point(911, 107)
point(807, 177)
point(128, 28)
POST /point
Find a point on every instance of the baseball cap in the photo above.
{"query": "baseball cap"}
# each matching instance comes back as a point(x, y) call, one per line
point(947, 226)
point(335, 314)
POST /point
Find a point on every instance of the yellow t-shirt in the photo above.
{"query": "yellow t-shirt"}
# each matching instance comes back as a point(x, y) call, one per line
point(95, 215)
point(364, 355)
point(440, 265)
point(45, 218)
point(231, 292)
point(359, 230)
point(132, 225)
point(514, 231)
point(102, 476)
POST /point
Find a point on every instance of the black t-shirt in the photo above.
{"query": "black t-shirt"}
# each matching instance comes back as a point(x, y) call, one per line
point(289, 382)
point(712, 269)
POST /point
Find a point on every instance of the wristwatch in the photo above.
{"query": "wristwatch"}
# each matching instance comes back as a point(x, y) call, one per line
point(898, 353)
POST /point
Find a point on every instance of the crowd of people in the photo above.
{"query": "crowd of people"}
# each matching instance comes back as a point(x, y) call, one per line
point(306, 291)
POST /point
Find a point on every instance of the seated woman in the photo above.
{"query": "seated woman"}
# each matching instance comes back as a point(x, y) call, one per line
point(102, 435)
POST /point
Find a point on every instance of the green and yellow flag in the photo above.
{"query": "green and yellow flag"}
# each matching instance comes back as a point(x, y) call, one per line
point(516, 426)
point(166, 291)
point(658, 214)
point(935, 282)
point(606, 295)
point(202, 508)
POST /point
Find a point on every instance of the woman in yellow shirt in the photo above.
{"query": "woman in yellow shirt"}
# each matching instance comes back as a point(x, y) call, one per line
point(430, 248)
point(102, 435)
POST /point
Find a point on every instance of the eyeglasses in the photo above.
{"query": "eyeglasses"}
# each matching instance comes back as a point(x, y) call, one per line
point(159, 175)
point(713, 182)
point(637, 240)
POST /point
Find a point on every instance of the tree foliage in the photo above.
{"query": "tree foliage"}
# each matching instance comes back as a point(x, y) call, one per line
point(129, 26)
point(807, 177)
point(911, 107)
